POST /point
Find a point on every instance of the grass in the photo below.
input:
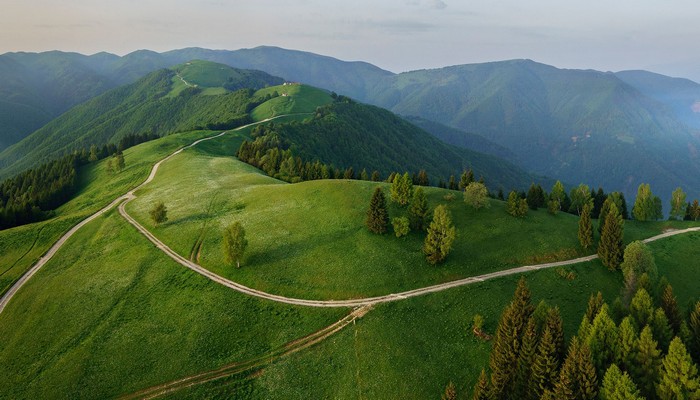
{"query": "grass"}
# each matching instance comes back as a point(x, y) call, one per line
point(99, 321)
point(298, 99)
point(21, 247)
point(413, 348)
point(308, 240)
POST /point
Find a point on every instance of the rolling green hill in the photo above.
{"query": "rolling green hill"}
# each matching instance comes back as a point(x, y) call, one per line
point(146, 106)
point(112, 322)
point(349, 134)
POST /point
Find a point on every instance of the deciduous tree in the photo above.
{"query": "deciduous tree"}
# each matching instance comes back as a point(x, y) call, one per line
point(235, 243)
point(677, 204)
point(441, 235)
point(476, 195)
point(159, 213)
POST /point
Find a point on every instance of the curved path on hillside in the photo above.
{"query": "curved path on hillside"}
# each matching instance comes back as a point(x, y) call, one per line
point(52, 251)
point(124, 199)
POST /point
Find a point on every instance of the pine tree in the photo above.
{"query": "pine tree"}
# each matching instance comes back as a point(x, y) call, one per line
point(627, 344)
point(661, 328)
point(577, 378)
point(556, 325)
point(598, 200)
point(694, 328)
point(93, 153)
point(441, 234)
point(646, 369)
point(481, 389)
point(678, 378)
point(526, 357)
point(603, 340)
point(363, 175)
point(375, 176)
point(585, 227)
point(423, 178)
point(450, 392)
point(595, 303)
point(507, 342)
point(402, 189)
point(641, 308)
point(545, 367)
point(235, 243)
point(119, 162)
point(604, 210)
point(466, 178)
point(418, 210)
point(452, 185)
point(670, 306)
point(611, 244)
point(110, 167)
point(557, 198)
point(618, 385)
point(377, 215)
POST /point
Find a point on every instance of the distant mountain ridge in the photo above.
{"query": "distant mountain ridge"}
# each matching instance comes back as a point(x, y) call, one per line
point(610, 129)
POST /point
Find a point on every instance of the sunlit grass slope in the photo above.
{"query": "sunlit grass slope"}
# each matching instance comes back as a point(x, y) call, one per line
point(292, 99)
point(110, 314)
point(309, 240)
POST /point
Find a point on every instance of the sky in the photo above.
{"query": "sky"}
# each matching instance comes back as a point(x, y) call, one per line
point(397, 35)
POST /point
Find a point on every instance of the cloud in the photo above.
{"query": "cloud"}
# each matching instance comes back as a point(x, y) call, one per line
point(438, 5)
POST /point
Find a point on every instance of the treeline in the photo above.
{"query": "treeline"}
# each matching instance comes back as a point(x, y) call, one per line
point(273, 154)
point(641, 347)
point(33, 195)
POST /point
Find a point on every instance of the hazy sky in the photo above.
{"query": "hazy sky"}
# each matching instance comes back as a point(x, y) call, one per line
point(397, 35)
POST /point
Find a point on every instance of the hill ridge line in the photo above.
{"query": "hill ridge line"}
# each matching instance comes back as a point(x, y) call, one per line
point(61, 241)
point(121, 201)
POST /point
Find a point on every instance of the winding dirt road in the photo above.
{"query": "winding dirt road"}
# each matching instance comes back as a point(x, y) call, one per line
point(125, 199)
point(60, 242)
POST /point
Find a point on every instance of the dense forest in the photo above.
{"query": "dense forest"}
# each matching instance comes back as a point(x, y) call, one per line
point(642, 346)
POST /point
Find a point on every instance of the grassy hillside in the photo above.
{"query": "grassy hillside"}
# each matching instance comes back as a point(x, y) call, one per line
point(134, 319)
point(137, 108)
point(306, 239)
point(290, 99)
point(214, 78)
point(148, 321)
point(22, 246)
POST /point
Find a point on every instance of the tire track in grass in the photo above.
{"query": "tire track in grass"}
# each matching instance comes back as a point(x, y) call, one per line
point(252, 364)
point(10, 293)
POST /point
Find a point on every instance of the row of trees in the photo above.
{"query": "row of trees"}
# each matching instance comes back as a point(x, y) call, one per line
point(632, 354)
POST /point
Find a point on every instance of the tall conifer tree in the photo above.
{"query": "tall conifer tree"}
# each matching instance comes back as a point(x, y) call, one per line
point(377, 215)
point(610, 249)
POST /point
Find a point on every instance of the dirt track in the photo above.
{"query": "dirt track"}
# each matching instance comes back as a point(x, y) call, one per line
point(257, 293)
